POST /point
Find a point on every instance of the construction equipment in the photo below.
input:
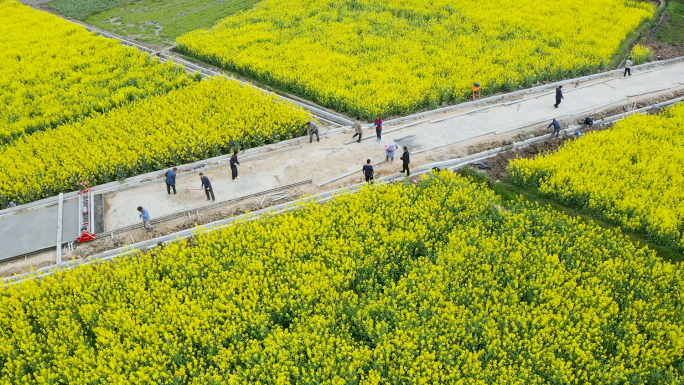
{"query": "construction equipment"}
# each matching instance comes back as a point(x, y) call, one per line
point(86, 216)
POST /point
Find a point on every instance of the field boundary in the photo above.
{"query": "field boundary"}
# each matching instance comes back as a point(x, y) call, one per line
point(542, 87)
point(165, 57)
point(643, 30)
point(318, 111)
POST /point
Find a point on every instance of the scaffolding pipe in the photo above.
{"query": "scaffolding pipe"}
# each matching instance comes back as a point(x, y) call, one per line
point(60, 207)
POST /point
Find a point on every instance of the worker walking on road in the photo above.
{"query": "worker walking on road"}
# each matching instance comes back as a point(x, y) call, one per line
point(559, 96)
point(628, 67)
point(368, 171)
point(233, 165)
point(405, 160)
point(311, 130)
point(171, 180)
point(206, 184)
point(145, 215)
point(556, 128)
point(358, 130)
point(378, 127)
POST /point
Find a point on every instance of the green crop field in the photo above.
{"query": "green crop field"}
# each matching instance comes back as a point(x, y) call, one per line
point(152, 21)
point(76, 8)
point(672, 32)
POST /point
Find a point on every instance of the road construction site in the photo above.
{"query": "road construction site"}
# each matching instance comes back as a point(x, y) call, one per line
point(286, 171)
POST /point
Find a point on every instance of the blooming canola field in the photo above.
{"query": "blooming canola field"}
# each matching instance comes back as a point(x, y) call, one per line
point(75, 106)
point(55, 72)
point(369, 57)
point(205, 119)
point(630, 174)
point(437, 283)
point(441, 281)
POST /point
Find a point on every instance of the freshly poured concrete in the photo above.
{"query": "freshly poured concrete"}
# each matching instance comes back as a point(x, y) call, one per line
point(30, 230)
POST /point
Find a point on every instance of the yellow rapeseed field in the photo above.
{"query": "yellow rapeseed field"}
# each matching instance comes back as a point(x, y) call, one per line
point(199, 121)
point(440, 283)
point(631, 174)
point(54, 72)
point(369, 57)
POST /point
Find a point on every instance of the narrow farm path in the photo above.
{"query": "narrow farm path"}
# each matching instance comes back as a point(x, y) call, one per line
point(435, 137)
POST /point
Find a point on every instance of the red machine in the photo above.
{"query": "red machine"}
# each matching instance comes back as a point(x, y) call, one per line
point(87, 214)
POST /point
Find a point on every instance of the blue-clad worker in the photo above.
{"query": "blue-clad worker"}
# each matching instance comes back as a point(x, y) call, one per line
point(556, 128)
point(145, 215)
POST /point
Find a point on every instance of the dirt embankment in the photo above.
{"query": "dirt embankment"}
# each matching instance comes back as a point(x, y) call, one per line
point(648, 101)
point(169, 227)
point(497, 165)
point(499, 162)
point(662, 50)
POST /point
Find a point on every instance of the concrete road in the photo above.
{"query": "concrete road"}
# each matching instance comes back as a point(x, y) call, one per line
point(30, 230)
point(332, 157)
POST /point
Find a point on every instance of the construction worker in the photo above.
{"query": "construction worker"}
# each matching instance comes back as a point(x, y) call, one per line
point(145, 215)
point(389, 151)
point(358, 130)
point(171, 180)
point(405, 160)
point(311, 130)
point(559, 96)
point(368, 171)
point(206, 184)
point(378, 127)
point(233, 165)
point(556, 128)
point(628, 67)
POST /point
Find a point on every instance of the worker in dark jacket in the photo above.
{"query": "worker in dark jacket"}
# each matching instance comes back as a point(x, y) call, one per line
point(206, 184)
point(233, 165)
point(405, 160)
point(556, 128)
point(559, 96)
point(368, 171)
point(171, 181)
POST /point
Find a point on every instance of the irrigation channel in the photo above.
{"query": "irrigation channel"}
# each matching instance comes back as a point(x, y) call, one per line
point(315, 111)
